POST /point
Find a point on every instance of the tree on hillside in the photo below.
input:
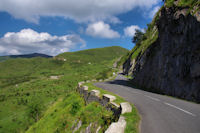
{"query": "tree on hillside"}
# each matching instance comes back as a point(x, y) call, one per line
point(138, 37)
point(35, 108)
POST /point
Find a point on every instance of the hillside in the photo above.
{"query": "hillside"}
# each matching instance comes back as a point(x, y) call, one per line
point(32, 88)
point(167, 61)
point(94, 56)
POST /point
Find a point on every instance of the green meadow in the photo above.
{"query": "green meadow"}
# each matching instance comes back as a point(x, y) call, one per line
point(30, 97)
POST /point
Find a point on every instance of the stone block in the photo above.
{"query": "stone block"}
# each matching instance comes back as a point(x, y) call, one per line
point(92, 98)
point(108, 97)
point(114, 104)
point(126, 107)
point(117, 127)
point(95, 92)
point(85, 87)
point(79, 84)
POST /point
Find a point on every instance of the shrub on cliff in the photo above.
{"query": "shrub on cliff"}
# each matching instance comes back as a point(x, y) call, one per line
point(138, 37)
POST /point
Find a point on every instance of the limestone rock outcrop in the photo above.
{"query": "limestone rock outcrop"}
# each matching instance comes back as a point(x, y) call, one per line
point(171, 65)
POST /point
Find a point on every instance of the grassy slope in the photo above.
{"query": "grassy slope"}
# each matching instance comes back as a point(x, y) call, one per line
point(182, 3)
point(23, 80)
point(95, 56)
point(60, 118)
point(2, 58)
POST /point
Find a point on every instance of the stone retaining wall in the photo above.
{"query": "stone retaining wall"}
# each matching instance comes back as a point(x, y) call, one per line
point(107, 101)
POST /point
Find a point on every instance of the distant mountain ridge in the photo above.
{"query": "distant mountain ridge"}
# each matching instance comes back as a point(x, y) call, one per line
point(2, 58)
point(31, 55)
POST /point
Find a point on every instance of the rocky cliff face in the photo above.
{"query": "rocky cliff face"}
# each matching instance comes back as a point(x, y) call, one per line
point(171, 65)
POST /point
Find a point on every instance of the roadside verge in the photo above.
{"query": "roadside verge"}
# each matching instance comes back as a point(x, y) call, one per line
point(126, 115)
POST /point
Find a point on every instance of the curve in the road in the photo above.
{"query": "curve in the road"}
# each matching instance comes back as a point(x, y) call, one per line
point(160, 114)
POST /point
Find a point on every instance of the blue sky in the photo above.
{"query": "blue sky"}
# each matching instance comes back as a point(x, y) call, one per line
point(50, 27)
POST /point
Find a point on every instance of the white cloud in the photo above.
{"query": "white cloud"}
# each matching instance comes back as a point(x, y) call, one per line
point(30, 41)
point(154, 11)
point(101, 30)
point(78, 10)
point(130, 30)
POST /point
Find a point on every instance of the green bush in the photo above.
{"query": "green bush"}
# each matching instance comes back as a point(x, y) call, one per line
point(138, 37)
point(2, 98)
point(75, 108)
point(105, 74)
point(181, 3)
point(35, 108)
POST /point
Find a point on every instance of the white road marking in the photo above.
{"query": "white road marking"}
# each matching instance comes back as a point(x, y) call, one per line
point(152, 98)
point(180, 109)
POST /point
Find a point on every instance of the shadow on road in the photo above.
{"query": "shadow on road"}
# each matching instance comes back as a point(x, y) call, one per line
point(122, 82)
point(128, 83)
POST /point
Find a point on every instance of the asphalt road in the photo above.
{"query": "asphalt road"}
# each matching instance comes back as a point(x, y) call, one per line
point(159, 113)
